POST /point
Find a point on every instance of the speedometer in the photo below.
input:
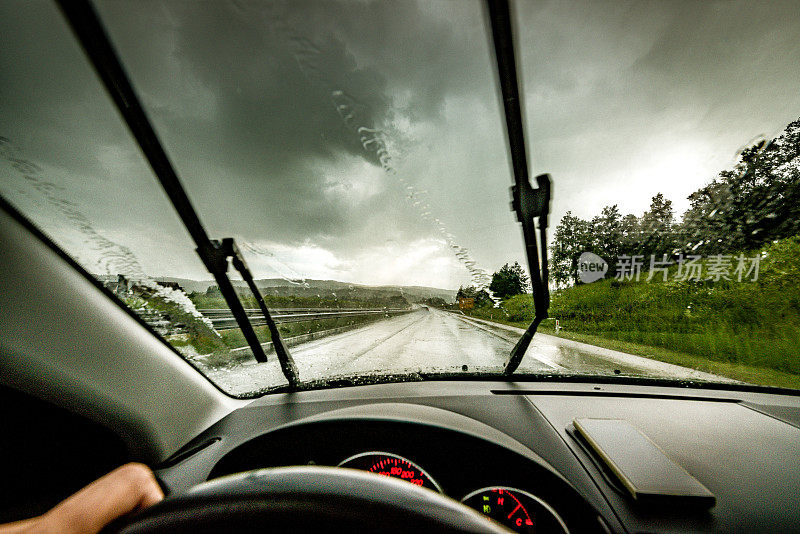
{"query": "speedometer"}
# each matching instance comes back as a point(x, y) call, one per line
point(391, 465)
point(516, 509)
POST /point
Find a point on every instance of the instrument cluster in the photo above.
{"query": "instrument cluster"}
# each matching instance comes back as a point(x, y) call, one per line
point(514, 508)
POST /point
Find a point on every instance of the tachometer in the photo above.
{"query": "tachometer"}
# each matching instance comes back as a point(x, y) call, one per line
point(516, 509)
point(391, 465)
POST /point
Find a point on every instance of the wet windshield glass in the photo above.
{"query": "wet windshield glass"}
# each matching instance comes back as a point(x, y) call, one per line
point(357, 153)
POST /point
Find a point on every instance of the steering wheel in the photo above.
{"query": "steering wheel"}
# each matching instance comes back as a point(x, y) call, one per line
point(309, 498)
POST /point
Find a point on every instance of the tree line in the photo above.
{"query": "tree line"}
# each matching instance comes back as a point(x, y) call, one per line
point(508, 281)
point(741, 209)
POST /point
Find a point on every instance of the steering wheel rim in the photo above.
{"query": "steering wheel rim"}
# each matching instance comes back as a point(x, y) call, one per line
point(309, 498)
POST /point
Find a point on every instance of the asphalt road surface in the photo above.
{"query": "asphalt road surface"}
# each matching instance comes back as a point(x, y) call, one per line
point(431, 339)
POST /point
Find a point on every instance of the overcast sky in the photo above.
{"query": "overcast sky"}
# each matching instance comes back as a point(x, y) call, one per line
point(363, 141)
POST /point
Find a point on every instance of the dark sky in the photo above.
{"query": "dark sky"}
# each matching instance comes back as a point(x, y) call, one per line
point(363, 141)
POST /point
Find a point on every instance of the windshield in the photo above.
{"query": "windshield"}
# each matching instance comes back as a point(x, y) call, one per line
point(357, 154)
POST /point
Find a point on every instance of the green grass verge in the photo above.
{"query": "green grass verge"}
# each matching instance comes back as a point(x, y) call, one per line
point(737, 371)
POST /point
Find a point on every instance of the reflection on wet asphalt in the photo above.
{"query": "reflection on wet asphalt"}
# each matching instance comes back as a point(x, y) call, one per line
point(423, 339)
point(431, 339)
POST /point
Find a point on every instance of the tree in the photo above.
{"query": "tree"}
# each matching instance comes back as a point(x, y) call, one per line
point(706, 228)
point(571, 239)
point(482, 297)
point(750, 205)
point(463, 292)
point(605, 234)
point(657, 227)
point(509, 281)
point(630, 235)
point(470, 292)
point(743, 208)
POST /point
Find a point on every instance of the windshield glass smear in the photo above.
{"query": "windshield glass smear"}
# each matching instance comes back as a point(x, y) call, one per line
point(356, 152)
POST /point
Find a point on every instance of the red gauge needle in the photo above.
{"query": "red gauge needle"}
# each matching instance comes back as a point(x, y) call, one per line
point(514, 510)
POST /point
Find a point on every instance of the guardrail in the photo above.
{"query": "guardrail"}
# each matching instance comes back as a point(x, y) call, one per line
point(222, 318)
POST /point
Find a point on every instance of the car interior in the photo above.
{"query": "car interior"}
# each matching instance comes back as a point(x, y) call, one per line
point(67, 421)
point(87, 385)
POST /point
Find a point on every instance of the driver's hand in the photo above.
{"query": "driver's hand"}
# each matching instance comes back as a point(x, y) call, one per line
point(126, 489)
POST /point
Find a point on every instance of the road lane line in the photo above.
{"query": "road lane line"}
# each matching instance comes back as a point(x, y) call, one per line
point(379, 342)
point(641, 363)
point(546, 361)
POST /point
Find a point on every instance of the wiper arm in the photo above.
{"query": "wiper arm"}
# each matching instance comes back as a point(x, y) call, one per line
point(528, 202)
point(287, 363)
point(215, 256)
point(90, 33)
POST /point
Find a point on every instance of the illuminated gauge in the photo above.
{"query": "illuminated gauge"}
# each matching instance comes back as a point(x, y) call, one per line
point(518, 510)
point(391, 465)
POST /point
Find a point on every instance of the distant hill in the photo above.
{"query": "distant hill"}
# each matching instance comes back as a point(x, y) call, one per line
point(322, 288)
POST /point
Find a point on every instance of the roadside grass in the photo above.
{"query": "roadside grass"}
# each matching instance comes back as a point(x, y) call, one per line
point(744, 373)
point(737, 371)
point(748, 331)
point(198, 335)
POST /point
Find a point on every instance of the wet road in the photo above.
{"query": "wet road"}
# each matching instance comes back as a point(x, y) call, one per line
point(432, 339)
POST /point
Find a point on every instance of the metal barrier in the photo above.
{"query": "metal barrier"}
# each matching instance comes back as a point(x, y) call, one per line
point(223, 318)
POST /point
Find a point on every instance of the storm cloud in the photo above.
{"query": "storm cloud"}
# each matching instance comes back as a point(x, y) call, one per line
point(364, 141)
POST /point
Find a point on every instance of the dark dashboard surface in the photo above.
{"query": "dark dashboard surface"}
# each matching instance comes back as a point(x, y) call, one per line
point(743, 446)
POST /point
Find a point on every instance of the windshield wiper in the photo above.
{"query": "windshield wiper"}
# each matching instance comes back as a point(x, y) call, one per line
point(528, 203)
point(215, 254)
point(287, 362)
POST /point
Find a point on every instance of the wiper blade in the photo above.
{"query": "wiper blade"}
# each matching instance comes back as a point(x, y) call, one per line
point(90, 33)
point(528, 202)
point(287, 363)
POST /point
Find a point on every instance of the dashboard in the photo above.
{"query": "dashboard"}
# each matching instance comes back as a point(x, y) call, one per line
point(516, 490)
point(497, 445)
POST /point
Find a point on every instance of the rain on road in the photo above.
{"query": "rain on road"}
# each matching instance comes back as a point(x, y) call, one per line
point(431, 339)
